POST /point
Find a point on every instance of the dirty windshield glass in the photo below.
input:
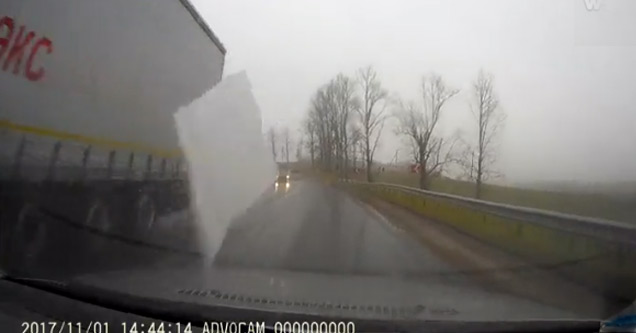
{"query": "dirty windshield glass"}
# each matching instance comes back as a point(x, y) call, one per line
point(449, 160)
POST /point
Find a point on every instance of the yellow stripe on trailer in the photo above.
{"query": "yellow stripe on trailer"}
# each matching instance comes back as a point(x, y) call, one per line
point(102, 142)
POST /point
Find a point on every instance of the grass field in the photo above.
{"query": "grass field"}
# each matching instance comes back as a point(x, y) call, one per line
point(613, 207)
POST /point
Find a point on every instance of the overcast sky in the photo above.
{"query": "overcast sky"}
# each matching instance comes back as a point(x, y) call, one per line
point(565, 74)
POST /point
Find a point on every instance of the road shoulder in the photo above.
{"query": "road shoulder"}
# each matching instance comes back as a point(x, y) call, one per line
point(492, 269)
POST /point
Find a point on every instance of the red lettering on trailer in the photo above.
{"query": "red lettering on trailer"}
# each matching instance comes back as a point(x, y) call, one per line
point(17, 47)
point(4, 41)
point(30, 74)
point(17, 50)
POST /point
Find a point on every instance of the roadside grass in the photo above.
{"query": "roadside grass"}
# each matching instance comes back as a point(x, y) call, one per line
point(612, 207)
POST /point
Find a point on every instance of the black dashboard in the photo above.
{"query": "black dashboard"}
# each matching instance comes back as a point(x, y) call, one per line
point(42, 307)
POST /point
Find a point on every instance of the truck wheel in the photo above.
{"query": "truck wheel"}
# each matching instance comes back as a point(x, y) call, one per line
point(29, 236)
point(5, 231)
point(98, 217)
point(146, 212)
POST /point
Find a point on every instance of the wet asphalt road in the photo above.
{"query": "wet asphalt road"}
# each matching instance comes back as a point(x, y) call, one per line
point(312, 227)
point(316, 228)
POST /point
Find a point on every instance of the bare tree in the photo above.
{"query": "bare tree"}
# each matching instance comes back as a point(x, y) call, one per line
point(360, 152)
point(272, 141)
point(346, 103)
point(299, 149)
point(323, 120)
point(371, 114)
point(465, 161)
point(355, 141)
point(328, 123)
point(310, 133)
point(489, 122)
point(287, 142)
point(414, 149)
point(419, 124)
point(282, 152)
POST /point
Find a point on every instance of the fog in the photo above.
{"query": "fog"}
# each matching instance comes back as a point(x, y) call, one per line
point(562, 70)
point(228, 162)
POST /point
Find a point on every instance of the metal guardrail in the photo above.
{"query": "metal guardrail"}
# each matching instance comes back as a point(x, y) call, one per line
point(608, 230)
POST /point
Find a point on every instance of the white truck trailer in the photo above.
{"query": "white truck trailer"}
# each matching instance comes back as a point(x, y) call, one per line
point(88, 89)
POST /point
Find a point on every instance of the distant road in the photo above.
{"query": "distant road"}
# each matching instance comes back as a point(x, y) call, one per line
point(318, 228)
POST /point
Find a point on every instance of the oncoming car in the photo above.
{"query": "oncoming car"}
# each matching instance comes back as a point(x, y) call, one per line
point(282, 183)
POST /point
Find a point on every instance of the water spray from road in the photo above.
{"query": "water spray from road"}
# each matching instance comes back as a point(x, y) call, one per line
point(229, 164)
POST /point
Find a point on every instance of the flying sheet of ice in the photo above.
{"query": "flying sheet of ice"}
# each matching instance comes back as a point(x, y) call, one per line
point(229, 164)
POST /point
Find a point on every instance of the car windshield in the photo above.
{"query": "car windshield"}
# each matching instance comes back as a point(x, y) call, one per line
point(458, 160)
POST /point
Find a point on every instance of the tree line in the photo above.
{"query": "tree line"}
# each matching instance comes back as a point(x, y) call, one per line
point(346, 119)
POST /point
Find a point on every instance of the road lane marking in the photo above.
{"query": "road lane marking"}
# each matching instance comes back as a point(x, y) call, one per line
point(383, 219)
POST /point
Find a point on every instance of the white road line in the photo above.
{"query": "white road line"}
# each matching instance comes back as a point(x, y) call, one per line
point(381, 217)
